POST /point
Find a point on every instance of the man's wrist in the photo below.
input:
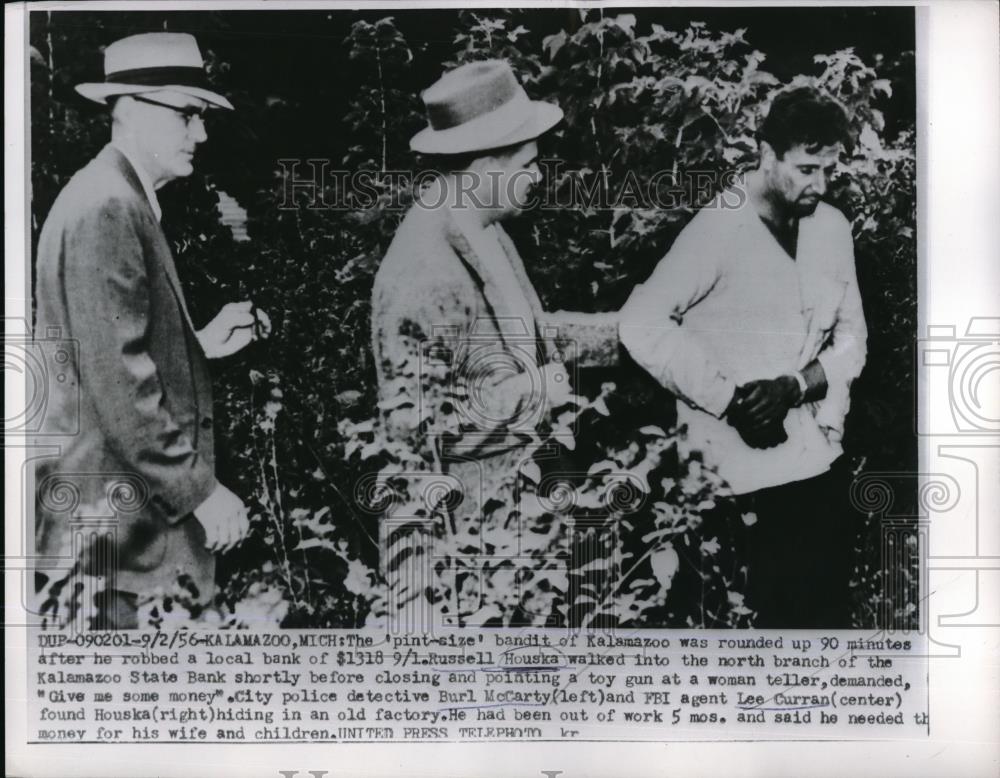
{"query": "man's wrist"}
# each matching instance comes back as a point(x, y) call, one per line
point(795, 388)
point(803, 386)
point(211, 504)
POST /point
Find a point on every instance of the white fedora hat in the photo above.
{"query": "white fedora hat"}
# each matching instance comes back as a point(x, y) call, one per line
point(480, 106)
point(153, 61)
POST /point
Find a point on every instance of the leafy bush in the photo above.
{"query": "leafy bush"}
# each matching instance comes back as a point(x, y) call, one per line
point(298, 426)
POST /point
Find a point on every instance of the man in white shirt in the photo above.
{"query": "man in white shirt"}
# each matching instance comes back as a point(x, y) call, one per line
point(754, 320)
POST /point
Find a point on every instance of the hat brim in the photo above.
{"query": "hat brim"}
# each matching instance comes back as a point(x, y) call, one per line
point(100, 92)
point(462, 139)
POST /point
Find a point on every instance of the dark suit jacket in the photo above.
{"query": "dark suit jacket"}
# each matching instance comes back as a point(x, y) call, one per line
point(132, 413)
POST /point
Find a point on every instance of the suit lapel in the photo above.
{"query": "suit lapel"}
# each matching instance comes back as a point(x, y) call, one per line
point(163, 254)
point(480, 253)
point(547, 340)
point(167, 261)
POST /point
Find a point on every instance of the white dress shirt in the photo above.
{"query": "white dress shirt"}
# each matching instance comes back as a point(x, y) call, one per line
point(728, 305)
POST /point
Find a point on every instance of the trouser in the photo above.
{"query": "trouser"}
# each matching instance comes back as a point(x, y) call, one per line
point(106, 609)
point(116, 609)
point(800, 553)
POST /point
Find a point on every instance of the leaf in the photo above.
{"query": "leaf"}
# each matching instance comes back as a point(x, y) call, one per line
point(651, 430)
point(348, 398)
point(530, 507)
point(595, 565)
point(309, 543)
point(882, 85)
point(361, 427)
point(626, 22)
point(869, 139)
point(370, 450)
point(731, 154)
point(390, 403)
point(665, 564)
point(695, 82)
point(710, 547)
point(531, 471)
point(639, 479)
point(553, 43)
point(603, 466)
point(486, 613)
point(651, 538)
point(600, 407)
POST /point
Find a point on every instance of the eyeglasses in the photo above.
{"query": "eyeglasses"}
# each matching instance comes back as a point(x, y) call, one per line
point(189, 113)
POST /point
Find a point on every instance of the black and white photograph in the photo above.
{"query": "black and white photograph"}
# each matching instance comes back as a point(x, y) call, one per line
point(489, 318)
point(500, 384)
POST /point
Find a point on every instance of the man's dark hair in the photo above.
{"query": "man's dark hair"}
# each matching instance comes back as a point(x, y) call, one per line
point(805, 116)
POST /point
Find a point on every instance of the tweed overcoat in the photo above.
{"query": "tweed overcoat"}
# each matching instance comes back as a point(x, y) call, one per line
point(130, 420)
point(456, 322)
point(460, 337)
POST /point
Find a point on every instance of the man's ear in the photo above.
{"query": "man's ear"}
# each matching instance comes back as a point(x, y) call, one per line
point(121, 107)
point(767, 155)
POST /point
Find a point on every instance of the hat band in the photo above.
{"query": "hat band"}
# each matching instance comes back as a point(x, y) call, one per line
point(497, 124)
point(444, 116)
point(159, 76)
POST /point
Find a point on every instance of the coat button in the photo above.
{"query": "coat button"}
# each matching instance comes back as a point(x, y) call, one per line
point(206, 423)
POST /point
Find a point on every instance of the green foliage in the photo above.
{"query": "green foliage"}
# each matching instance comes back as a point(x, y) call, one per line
point(295, 415)
point(645, 535)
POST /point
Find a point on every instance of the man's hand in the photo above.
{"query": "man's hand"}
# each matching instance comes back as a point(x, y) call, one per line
point(236, 326)
point(224, 517)
point(758, 411)
point(755, 437)
point(766, 403)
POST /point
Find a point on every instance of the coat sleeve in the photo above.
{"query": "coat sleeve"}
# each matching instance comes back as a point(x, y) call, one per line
point(438, 384)
point(843, 356)
point(104, 254)
point(445, 384)
point(650, 326)
point(588, 339)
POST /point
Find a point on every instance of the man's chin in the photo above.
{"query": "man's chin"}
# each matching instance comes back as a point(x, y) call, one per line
point(184, 167)
point(806, 208)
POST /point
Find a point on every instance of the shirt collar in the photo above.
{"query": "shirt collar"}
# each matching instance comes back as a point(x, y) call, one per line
point(144, 179)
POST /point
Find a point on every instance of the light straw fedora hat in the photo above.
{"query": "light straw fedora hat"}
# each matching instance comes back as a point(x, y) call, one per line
point(153, 61)
point(480, 106)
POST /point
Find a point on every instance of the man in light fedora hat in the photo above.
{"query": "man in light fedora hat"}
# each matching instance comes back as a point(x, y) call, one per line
point(460, 339)
point(133, 419)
